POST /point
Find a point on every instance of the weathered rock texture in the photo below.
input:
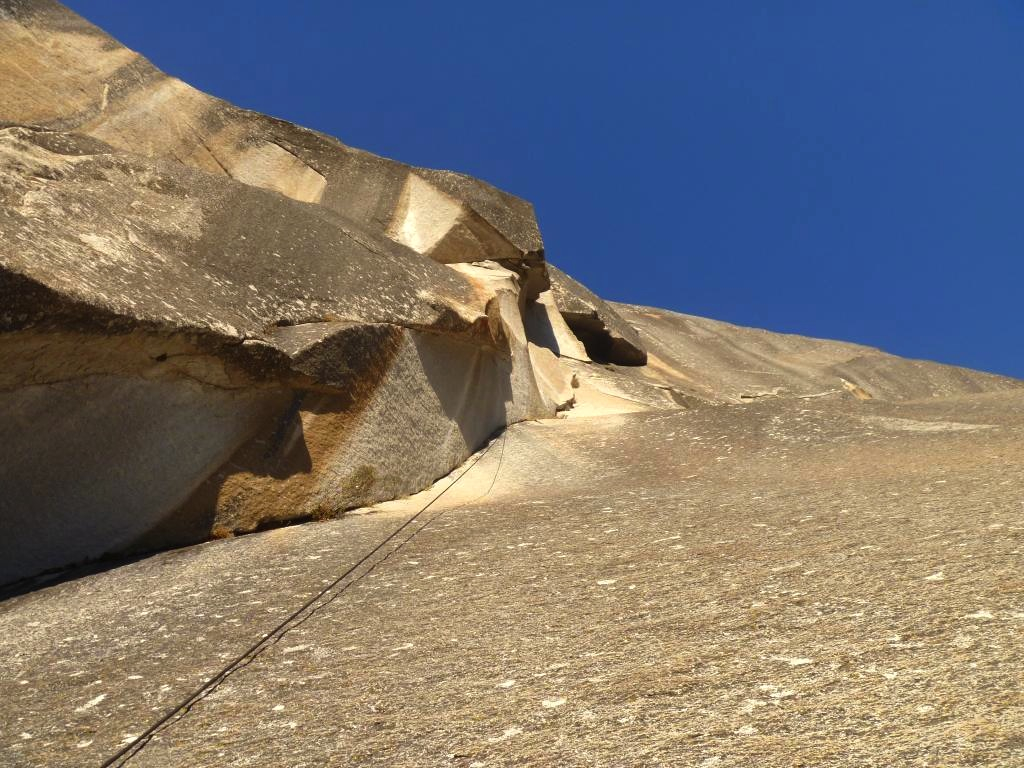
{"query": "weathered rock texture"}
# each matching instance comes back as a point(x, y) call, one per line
point(607, 337)
point(693, 361)
point(61, 72)
point(184, 353)
point(213, 321)
point(824, 582)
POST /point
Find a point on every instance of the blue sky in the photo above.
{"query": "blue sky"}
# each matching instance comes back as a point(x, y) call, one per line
point(850, 170)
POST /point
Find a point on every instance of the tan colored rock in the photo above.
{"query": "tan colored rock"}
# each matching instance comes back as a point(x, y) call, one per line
point(215, 321)
point(59, 71)
point(695, 358)
point(607, 337)
point(343, 367)
point(212, 322)
point(501, 289)
point(693, 361)
point(554, 380)
point(547, 328)
point(798, 567)
point(238, 359)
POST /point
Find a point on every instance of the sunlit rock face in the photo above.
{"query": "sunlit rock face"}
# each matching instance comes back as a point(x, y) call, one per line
point(213, 321)
point(60, 72)
point(692, 544)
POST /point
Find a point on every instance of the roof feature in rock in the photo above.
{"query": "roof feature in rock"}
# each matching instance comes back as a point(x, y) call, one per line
point(607, 337)
point(120, 239)
point(302, 363)
point(177, 271)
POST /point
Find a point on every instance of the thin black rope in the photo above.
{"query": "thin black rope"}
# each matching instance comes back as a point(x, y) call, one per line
point(293, 620)
point(501, 458)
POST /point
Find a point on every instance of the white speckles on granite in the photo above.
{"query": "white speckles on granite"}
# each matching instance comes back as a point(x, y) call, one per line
point(812, 640)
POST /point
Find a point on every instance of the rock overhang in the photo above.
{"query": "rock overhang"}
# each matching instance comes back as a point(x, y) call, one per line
point(164, 249)
point(336, 327)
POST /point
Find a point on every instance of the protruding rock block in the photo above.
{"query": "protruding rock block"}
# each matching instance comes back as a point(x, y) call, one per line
point(547, 328)
point(184, 355)
point(213, 321)
point(607, 337)
point(452, 219)
point(159, 243)
point(500, 288)
point(554, 380)
point(59, 71)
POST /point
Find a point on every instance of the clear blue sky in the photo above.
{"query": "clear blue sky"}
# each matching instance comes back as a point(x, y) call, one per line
point(851, 170)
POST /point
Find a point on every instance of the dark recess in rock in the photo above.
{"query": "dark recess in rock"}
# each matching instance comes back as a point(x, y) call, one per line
point(607, 337)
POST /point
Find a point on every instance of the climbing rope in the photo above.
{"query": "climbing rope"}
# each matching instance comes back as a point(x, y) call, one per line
point(299, 616)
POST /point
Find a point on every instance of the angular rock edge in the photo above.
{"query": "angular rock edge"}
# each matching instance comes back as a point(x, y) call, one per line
point(213, 321)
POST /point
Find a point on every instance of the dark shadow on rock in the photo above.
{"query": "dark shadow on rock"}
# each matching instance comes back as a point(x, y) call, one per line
point(538, 327)
point(353, 360)
point(102, 466)
point(58, 576)
point(472, 383)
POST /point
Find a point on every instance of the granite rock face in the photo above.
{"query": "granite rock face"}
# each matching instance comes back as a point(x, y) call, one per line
point(185, 354)
point(737, 548)
point(777, 583)
point(212, 321)
point(694, 361)
point(59, 71)
point(606, 335)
